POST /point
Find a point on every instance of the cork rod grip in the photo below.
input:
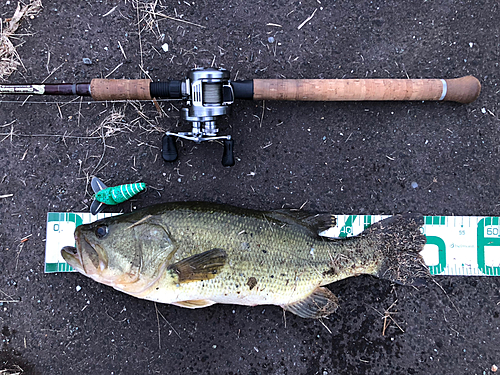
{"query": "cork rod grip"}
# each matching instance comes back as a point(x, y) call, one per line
point(462, 90)
point(120, 89)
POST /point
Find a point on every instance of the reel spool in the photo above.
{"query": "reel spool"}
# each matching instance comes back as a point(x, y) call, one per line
point(208, 94)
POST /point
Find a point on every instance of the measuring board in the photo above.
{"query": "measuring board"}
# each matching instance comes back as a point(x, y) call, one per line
point(456, 245)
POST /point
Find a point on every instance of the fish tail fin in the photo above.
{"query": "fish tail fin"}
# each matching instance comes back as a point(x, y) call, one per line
point(400, 242)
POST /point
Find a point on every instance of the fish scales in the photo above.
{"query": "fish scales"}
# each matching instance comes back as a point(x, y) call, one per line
point(274, 254)
point(197, 254)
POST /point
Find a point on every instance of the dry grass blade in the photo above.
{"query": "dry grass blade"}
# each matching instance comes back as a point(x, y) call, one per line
point(6, 298)
point(15, 370)
point(151, 14)
point(9, 59)
point(113, 124)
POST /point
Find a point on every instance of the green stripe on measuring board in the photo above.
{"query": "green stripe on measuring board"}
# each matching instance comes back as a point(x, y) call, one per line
point(456, 245)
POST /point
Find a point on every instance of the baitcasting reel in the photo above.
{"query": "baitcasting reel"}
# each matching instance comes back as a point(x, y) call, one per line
point(208, 94)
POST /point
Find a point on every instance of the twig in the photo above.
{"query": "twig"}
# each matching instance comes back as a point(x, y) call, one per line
point(114, 70)
point(11, 133)
point(324, 325)
point(121, 49)
point(307, 20)
point(263, 110)
point(80, 110)
point(173, 329)
point(175, 19)
point(139, 222)
point(48, 135)
point(52, 72)
point(111, 11)
point(444, 291)
point(21, 245)
point(158, 322)
point(9, 298)
point(139, 33)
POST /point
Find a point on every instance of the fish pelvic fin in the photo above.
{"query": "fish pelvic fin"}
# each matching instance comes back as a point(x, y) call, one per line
point(400, 241)
point(194, 304)
point(320, 303)
point(203, 266)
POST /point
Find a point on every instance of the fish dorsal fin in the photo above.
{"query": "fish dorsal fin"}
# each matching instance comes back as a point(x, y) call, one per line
point(316, 223)
point(194, 304)
point(320, 303)
point(199, 267)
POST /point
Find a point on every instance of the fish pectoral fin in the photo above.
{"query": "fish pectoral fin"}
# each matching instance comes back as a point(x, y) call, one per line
point(204, 266)
point(320, 303)
point(194, 304)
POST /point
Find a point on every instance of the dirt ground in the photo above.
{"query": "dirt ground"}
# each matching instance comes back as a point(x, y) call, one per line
point(348, 158)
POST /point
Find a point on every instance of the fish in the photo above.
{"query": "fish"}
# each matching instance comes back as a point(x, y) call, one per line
point(196, 254)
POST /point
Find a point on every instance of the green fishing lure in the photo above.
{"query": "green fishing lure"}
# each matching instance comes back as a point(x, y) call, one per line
point(119, 194)
point(112, 195)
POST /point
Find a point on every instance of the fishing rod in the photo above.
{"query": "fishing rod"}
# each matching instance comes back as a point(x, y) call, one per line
point(208, 94)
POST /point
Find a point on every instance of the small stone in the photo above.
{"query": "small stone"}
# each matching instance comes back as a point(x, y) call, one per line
point(164, 47)
point(483, 110)
point(87, 61)
point(270, 39)
point(494, 368)
point(414, 185)
point(78, 288)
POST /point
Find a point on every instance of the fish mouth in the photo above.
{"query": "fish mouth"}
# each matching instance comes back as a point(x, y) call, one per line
point(77, 256)
point(71, 255)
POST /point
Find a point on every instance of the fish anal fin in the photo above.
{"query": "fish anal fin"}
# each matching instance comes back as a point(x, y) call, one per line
point(320, 303)
point(194, 304)
point(203, 266)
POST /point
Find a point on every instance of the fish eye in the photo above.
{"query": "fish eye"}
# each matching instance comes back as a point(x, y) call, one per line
point(101, 231)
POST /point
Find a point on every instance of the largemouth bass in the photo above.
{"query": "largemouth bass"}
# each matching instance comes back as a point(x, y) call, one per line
point(196, 254)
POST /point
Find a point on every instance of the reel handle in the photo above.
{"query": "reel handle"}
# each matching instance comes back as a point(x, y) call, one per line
point(227, 156)
point(169, 149)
